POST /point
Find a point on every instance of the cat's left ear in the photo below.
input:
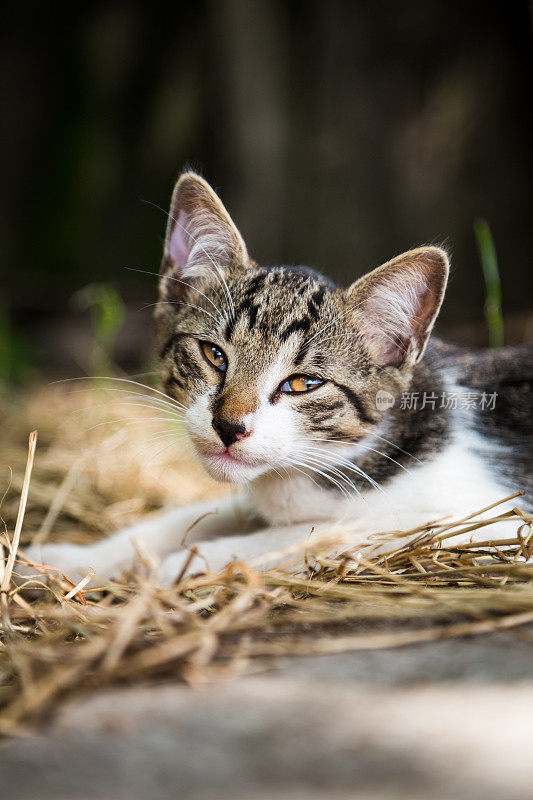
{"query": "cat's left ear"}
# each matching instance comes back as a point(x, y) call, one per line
point(201, 238)
point(396, 305)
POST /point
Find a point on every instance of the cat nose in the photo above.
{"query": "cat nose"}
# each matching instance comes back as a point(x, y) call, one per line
point(229, 432)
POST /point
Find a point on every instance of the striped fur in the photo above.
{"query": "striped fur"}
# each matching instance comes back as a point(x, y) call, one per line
point(334, 453)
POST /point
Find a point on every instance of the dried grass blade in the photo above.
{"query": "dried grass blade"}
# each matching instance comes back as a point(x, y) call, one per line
point(6, 580)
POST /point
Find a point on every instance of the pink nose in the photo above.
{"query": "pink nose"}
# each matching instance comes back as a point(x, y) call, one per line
point(229, 432)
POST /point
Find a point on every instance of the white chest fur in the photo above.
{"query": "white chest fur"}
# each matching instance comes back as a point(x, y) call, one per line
point(458, 481)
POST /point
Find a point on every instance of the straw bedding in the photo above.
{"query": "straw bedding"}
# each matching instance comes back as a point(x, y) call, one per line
point(100, 464)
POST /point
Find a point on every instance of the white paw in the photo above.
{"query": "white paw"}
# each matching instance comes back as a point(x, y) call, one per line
point(74, 561)
point(175, 567)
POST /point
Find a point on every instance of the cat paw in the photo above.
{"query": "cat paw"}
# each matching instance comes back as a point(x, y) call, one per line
point(175, 567)
point(69, 560)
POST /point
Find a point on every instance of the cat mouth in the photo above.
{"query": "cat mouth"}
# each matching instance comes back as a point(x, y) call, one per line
point(227, 466)
point(225, 457)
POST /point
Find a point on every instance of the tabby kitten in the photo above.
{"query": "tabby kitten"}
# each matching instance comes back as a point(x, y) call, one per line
point(327, 403)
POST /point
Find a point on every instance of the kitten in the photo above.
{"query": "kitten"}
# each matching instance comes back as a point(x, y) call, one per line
point(329, 404)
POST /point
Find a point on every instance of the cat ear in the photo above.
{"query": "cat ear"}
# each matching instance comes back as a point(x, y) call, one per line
point(201, 238)
point(396, 305)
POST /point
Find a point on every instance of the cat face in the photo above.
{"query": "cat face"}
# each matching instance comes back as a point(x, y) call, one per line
point(278, 368)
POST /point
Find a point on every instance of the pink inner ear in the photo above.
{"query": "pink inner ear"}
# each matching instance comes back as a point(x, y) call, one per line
point(179, 248)
point(400, 311)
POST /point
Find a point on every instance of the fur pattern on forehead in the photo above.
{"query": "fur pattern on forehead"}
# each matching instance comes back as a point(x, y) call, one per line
point(394, 307)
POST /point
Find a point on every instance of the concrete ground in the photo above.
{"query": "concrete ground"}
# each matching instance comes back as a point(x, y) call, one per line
point(450, 719)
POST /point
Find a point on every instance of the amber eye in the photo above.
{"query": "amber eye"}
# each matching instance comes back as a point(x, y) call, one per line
point(300, 383)
point(214, 355)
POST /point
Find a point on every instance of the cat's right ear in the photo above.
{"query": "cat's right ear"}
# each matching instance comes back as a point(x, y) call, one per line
point(201, 238)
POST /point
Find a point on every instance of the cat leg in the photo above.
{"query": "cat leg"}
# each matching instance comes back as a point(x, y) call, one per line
point(267, 546)
point(156, 536)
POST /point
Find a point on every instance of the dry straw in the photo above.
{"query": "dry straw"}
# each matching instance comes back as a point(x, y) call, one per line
point(323, 599)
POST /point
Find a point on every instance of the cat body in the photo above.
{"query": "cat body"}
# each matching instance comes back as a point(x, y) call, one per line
point(328, 404)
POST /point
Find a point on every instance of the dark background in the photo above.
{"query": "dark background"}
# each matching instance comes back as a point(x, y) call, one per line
point(338, 134)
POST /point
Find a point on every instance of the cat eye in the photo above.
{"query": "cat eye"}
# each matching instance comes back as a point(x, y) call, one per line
point(300, 383)
point(214, 355)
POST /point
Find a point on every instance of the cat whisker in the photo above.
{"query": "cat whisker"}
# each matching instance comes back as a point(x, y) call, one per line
point(347, 335)
point(120, 442)
point(184, 283)
point(332, 322)
point(334, 462)
point(158, 437)
point(127, 421)
point(383, 439)
point(365, 447)
point(170, 403)
point(308, 464)
point(350, 466)
point(178, 436)
point(171, 414)
point(392, 444)
point(334, 459)
point(167, 409)
point(331, 468)
point(165, 397)
point(156, 455)
point(277, 472)
point(291, 465)
point(350, 334)
point(179, 303)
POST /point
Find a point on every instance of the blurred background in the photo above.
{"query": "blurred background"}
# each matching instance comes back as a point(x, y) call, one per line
point(338, 134)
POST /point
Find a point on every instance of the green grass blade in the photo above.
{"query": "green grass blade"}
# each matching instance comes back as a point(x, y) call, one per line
point(493, 292)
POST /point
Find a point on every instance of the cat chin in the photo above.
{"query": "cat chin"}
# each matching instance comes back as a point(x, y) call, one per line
point(226, 469)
